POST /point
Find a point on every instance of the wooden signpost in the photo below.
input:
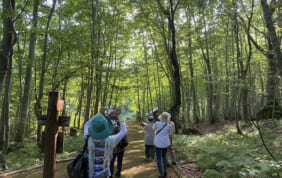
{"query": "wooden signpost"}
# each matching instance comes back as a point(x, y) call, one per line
point(55, 104)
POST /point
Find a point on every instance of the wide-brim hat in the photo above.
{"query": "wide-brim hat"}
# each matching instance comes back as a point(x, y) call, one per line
point(100, 127)
point(165, 117)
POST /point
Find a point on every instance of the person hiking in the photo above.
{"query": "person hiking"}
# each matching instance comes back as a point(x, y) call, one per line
point(162, 142)
point(103, 110)
point(149, 138)
point(118, 153)
point(101, 144)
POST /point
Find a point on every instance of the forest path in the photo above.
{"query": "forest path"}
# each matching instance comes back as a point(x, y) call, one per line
point(134, 164)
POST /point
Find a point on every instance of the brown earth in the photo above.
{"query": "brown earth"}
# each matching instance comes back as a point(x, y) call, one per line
point(134, 165)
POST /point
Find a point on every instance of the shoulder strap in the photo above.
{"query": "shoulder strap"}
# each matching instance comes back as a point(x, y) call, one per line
point(85, 144)
point(160, 129)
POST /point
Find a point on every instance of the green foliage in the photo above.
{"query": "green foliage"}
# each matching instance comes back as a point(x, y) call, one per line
point(231, 155)
point(30, 155)
point(25, 156)
point(212, 174)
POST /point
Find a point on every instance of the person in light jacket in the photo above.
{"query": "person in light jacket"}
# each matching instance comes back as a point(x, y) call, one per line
point(162, 142)
point(101, 144)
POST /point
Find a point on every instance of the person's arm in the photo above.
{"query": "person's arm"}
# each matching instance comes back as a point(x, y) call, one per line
point(123, 131)
point(85, 129)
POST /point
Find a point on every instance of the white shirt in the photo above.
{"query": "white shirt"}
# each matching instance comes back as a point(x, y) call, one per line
point(161, 139)
point(85, 128)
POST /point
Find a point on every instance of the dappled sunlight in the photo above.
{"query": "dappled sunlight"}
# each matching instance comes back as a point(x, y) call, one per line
point(136, 142)
point(138, 170)
point(132, 151)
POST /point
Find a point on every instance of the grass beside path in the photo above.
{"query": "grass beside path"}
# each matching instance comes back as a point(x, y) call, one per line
point(134, 164)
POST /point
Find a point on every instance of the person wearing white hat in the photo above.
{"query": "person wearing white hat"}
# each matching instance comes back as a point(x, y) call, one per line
point(162, 142)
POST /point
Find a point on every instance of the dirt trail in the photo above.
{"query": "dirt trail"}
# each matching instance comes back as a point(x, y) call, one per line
point(134, 164)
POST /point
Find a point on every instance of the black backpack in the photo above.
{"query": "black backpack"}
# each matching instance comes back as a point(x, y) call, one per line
point(78, 168)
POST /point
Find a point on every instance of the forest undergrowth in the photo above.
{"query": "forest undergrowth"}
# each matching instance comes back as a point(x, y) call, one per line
point(220, 152)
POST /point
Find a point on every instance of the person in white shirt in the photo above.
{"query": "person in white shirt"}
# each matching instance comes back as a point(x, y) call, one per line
point(162, 142)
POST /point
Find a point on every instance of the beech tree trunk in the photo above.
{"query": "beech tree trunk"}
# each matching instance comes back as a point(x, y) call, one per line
point(6, 56)
point(172, 56)
point(5, 119)
point(25, 99)
point(239, 63)
point(267, 14)
point(37, 105)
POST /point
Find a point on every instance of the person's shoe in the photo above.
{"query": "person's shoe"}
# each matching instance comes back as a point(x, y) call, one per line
point(117, 174)
point(173, 162)
point(165, 174)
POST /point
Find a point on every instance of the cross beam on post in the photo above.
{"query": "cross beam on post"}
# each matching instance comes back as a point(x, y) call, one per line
point(55, 104)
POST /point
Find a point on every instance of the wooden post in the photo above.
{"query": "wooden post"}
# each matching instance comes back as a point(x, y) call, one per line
point(54, 106)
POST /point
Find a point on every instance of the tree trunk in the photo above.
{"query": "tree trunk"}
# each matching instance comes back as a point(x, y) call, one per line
point(272, 85)
point(193, 86)
point(5, 117)
point(6, 55)
point(239, 64)
point(8, 39)
point(148, 84)
point(37, 105)
point(209, 86)
point(172, 56)
point(25, 99)
point(267, 13)
point(79, 106)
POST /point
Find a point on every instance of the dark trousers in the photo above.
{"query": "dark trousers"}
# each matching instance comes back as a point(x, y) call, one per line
point(161, 160)
point(119, 157)
point(150, 151)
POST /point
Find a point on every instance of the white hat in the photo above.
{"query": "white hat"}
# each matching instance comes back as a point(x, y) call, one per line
point(164, 117)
